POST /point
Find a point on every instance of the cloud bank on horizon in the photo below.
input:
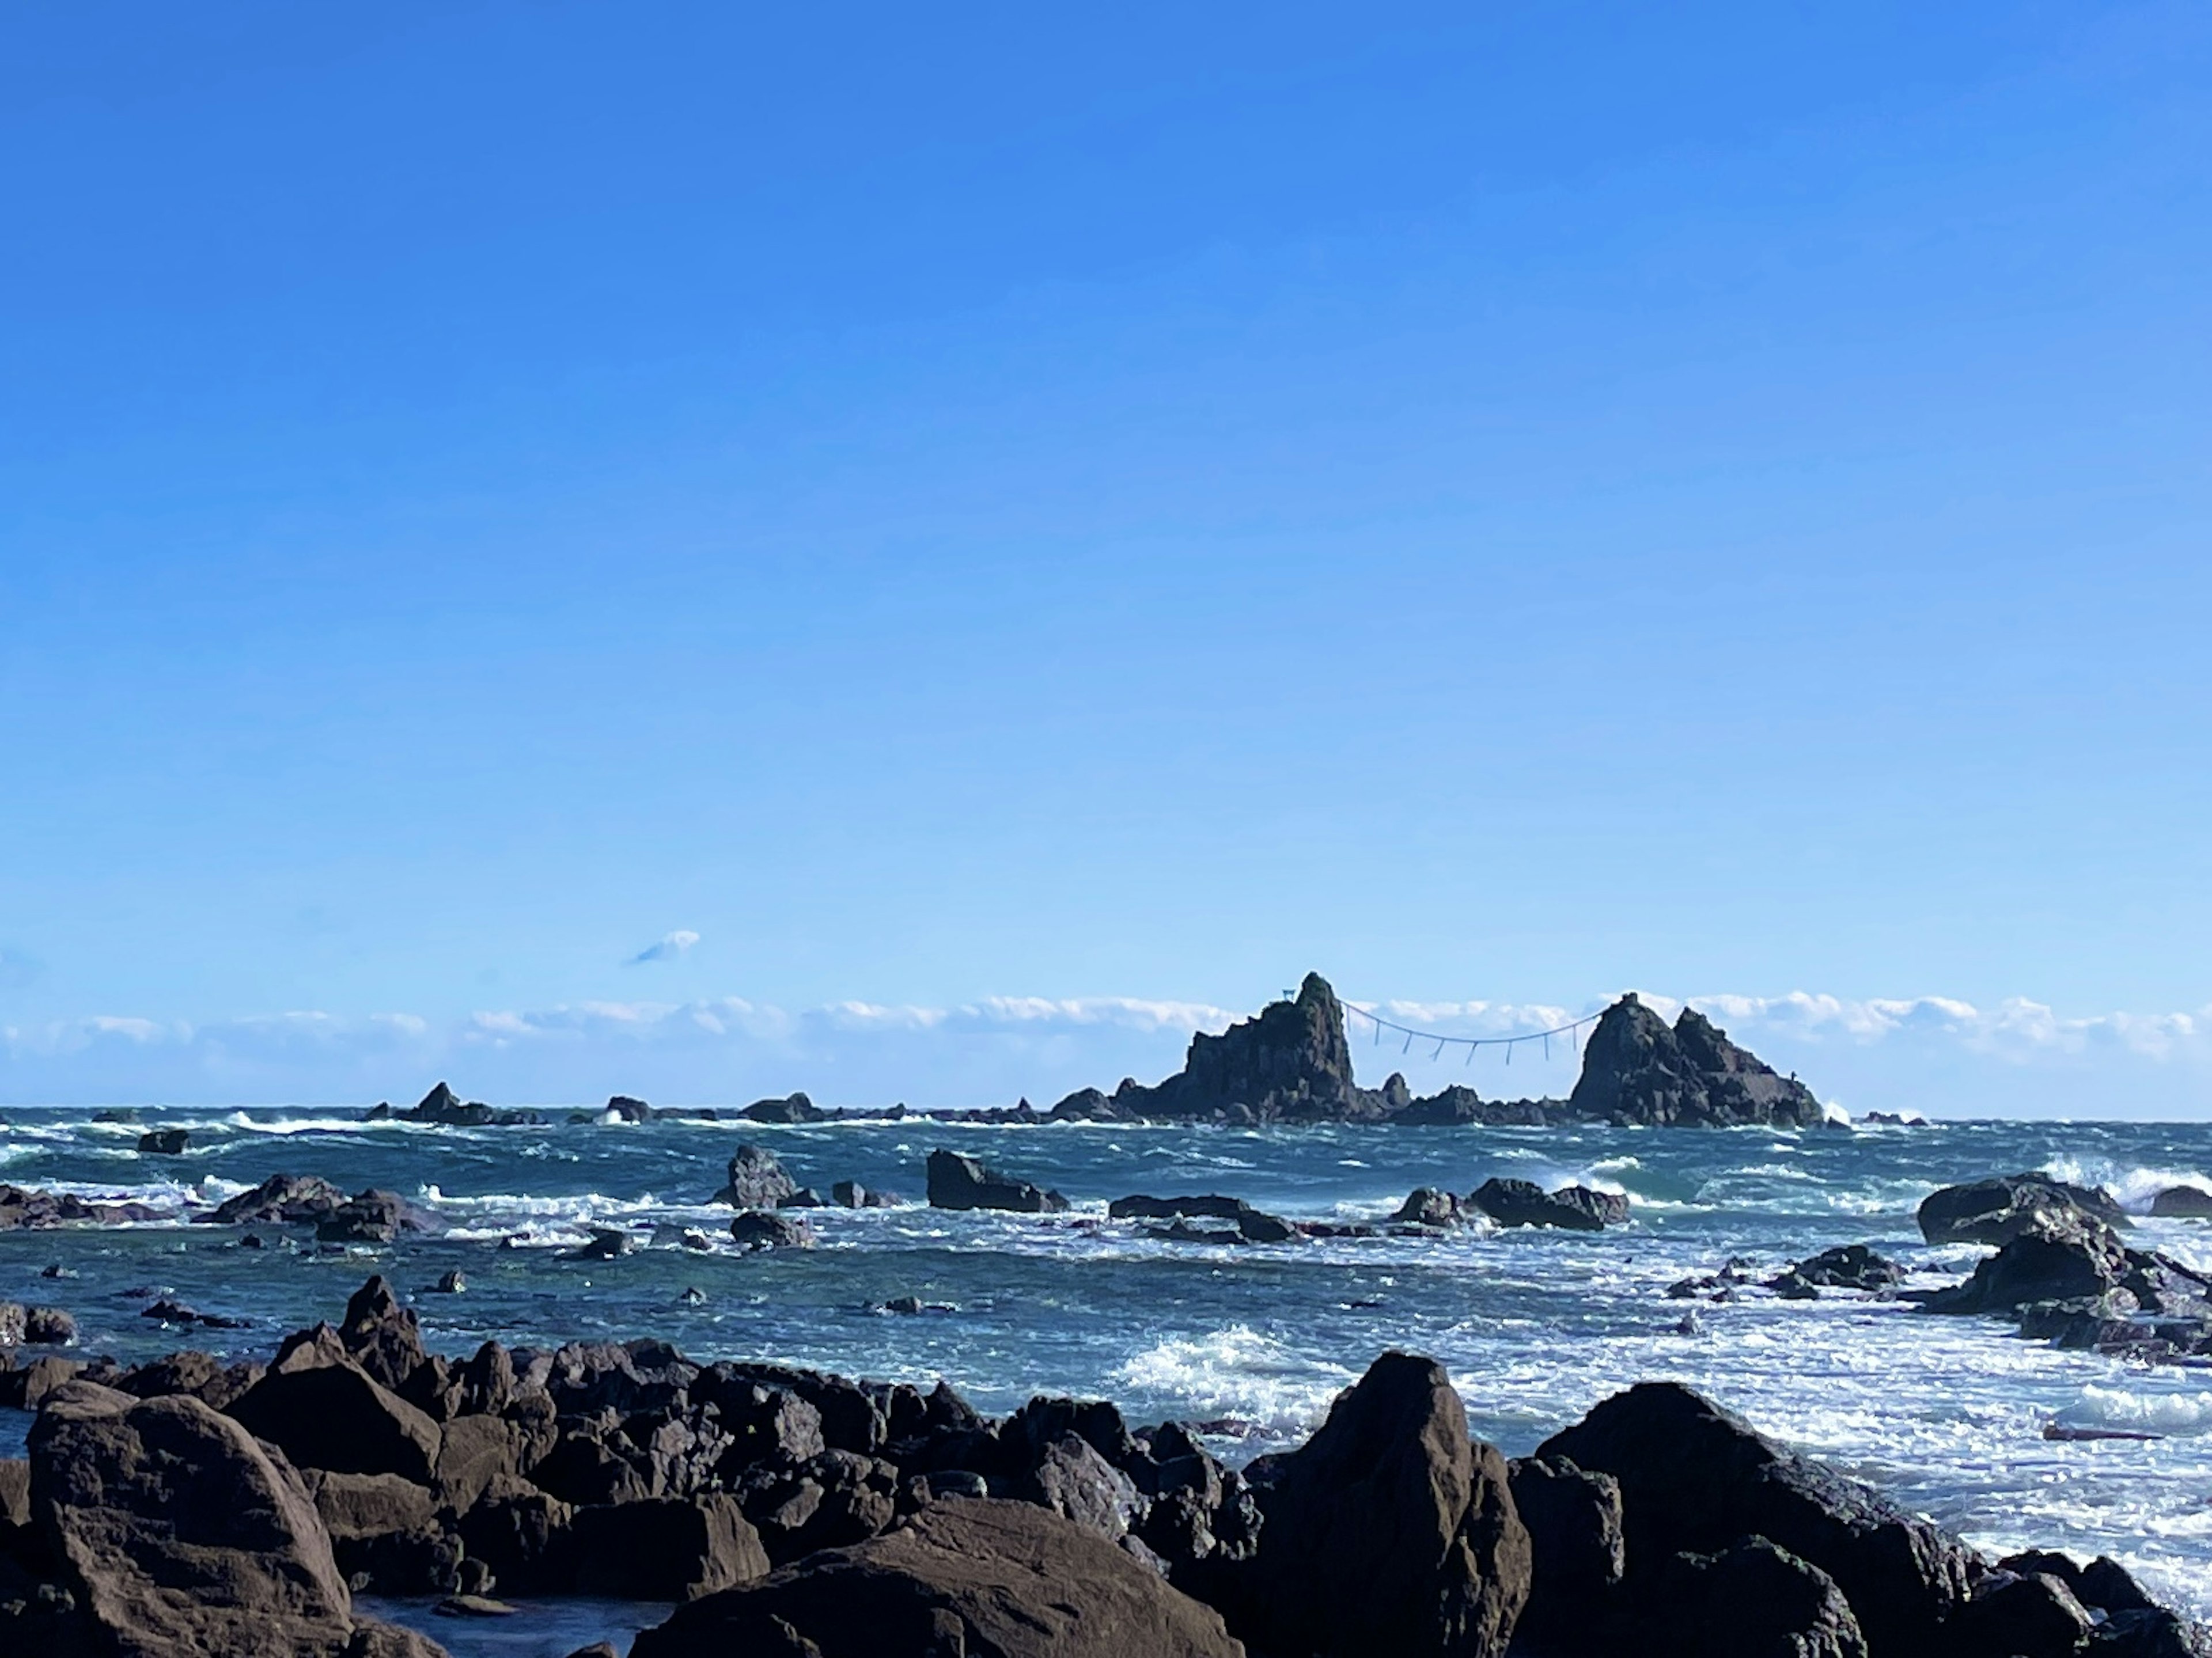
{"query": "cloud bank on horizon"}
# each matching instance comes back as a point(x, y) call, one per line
point(1933, 1054)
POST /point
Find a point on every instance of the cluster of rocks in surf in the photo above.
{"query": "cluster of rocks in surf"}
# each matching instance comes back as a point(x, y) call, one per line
point(1292, 1063)
point(187, 1507)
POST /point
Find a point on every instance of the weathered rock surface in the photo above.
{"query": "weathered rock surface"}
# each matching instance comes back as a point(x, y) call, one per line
point(2083, 1260)
point(1524, 1203)
point(958, 1182)
point(164, 1142)
point(1846, 1267)
point(1751, 1599)
point(1577, 1552)
point(180, 1535)
point(757, 1180)
point(375, 1216)
point(1636, 1070)
point(1390, 1530)
point(1006, 1579)
point(337, 1417)
point(1697, 1479)
point(1999, 1210)
point(760, 1228)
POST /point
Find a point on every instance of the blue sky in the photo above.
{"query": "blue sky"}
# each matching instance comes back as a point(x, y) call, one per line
point(1111, 512)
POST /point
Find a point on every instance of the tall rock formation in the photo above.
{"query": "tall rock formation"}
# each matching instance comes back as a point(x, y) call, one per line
point(1636, 1069)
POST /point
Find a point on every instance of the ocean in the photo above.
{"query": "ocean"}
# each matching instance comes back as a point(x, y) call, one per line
point(1945, 1414)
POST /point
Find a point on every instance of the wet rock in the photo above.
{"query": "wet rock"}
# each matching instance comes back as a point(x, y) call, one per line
point(164, 1142)
point(178, 1533)
point(23, 1209)
point(1636, 1069)
point(47, 1326)
point(1848, 1266)
point(1697, 1479)
point(1998, 1211)
point(1389, 1530)
point(1524, 1203)
point(851, 1195)
point(1428, 1206)
point(606, 1243)
point(2182, 1203)
point(793, 1108)
point(757, 1180)
point(280, 1200)
point(1006, 1578)
point(626, 1109)
point(760, 1229)
point(1244, 1223)
point(956, 1181)
point(375, 1217)
point(2084, 1262)
point(1577, 1550)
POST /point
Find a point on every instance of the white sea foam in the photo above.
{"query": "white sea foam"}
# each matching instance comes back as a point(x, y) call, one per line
point(2135, 1187)
point(1238, 1372)
point(2140, 1411)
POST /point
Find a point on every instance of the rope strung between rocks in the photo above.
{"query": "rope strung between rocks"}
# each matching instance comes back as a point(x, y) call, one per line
point(1572, 1031)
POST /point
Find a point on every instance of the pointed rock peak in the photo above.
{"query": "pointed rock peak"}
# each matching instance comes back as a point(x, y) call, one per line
point(440, 1098)
point(1316, 990)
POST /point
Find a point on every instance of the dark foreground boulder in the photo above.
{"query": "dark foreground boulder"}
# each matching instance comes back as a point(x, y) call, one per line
point(337, 1417)
point(1524, 1203)
point(1389, 1530)
point(963, 1182)
point(964, 1576)
point(1697, 1479)
point(2079, 1259)
point(1998, 1211)
point(181, 1536)
point(1750, 1600)
point(1577, 1550)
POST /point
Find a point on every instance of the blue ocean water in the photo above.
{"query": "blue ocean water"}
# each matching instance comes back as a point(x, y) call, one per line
point(1946, 1414)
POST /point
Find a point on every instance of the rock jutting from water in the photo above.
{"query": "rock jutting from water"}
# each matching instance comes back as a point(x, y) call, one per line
point(184, 1507)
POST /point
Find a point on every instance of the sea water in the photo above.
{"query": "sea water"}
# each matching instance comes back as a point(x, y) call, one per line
point(1945, 1414)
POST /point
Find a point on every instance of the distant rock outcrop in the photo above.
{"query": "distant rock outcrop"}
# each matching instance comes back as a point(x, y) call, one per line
point(1636, 1069)
point(442, 1105)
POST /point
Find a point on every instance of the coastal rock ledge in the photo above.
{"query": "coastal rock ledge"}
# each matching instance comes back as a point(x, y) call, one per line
point(164, 1513)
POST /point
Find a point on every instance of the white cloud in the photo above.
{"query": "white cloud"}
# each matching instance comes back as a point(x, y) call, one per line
point(669, 947)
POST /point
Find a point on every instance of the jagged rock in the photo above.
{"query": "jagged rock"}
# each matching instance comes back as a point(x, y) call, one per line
point(381, 1336)
point(442, 1105)
point(203, 1375)
point(956, 1181)
point(1637, 1071)
point(2085, 1261)
point(1290, 1061)
point(337, 1417)
point(1577, 1550)
point(2182, 1203)
point(760, 1228)
point(179, 1534)
point(164, 1142)
point(757, 1180)
point(522, 1534)
point(1005, 1578)
point(851, 1195)
point(1389, 1530)
point(1073, 1479)
point(1697, 1479)
point(1998, 1211)
point(1847, 1266)
point(793, 1108)
point(1524, 1203)
point(280, 1200)
point(1750, 1600)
